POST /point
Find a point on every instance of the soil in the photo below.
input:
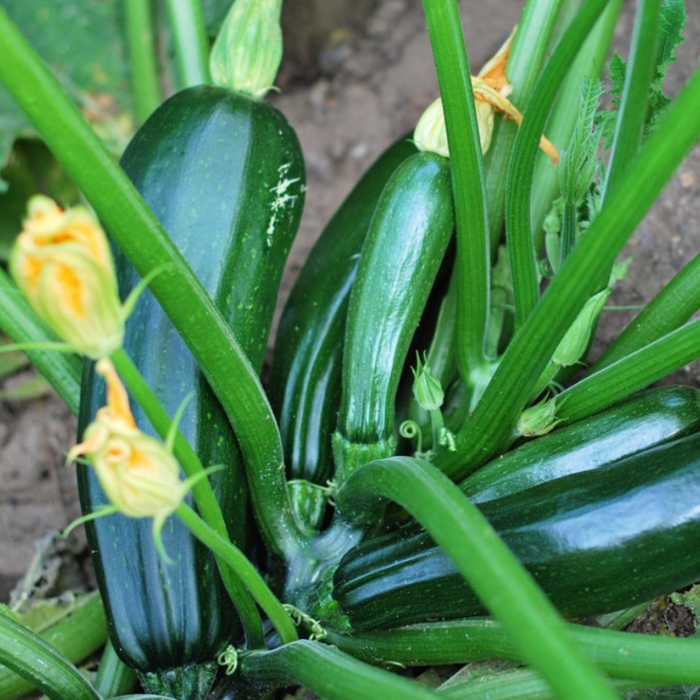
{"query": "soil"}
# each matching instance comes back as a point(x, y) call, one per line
point(370, 81)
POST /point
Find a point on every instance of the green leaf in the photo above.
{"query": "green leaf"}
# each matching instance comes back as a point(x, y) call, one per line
point(671, 22)
point(84, 43)
point(617, 70)
point(578, 161)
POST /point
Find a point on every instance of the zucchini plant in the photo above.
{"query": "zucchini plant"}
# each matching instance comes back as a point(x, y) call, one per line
point(441, 472)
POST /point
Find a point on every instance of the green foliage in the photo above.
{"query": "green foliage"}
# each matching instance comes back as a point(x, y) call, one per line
point(84, 43)
point(578, 163)
point(671, 22)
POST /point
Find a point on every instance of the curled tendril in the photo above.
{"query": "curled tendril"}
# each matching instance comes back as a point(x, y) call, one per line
point(229, 659)
point(316, 632)
point(409, 429)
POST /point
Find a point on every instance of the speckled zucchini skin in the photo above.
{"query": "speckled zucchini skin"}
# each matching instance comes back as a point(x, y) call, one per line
point(643, 421)
point(305, 380)
point(596, 541)
point(225, 176)
point(410, 229)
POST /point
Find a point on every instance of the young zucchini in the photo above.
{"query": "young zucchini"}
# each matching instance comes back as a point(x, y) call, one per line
point(596, 541)
point(305, 379)
point(641, 422)
point(409, 233)
point(224, 174)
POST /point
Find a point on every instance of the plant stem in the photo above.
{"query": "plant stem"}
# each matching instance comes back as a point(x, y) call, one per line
point(202, 491)
point(670, 308)
point(486, 563)
point(522, 165)
point(114, 677)
point(580, 277)
point(18, 320)
point(640, 657)
point(140, 236)
point(633, 103)
point(76, 630)
point(142, 54)
point(520, 684)
point(530, 44)
point(562, 120)
point(329, 673)
point(29, 656)
point(191, 41)
point(633, 372)
point(473, 246)
point(244, 569)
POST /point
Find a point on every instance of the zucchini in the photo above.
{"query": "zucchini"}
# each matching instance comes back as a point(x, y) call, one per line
point(641, 422)
point(406, 242)
point(596, 541)
point(305, 378)
point(224, 174)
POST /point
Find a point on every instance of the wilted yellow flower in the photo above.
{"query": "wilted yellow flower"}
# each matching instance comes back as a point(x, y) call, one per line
point(62, 263)
point(491, 89)
point(138, 473)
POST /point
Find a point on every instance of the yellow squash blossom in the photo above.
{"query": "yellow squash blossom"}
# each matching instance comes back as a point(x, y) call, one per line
point(491, 89)
point(62, 263)
point(138, 473)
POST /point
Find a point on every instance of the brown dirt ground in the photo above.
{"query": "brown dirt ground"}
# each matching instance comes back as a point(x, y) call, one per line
point(371, 82)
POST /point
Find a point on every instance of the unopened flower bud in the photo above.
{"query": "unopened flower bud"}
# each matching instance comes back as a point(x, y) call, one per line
point(248, 50)
point(427, 389)
point(575, 342)
point(62, 263)
point(538, 419)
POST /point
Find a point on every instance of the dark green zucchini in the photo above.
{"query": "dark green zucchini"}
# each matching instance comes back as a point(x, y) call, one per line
point(224, 174)
point(641, 422)
point(305, 378)
point(596, 541)
point(409, 233)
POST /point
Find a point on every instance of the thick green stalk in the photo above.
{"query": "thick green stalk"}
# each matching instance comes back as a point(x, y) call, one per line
point(521, 684)
point(142, 54)
point(670, 308)
point(204, 497)
point(562, 120)
point(143, 240)
point(528, 353)
point(35, 660)
point(329, 673)
point(473, 247)
point(191, 42)
point(113, 677)
point(640, 657)
point(75, 629)
point(234, 558)
point(633, 372)
point(486, 563)
point(633, 103)
point(18, 320)
point(530, 44)
point(522, 165)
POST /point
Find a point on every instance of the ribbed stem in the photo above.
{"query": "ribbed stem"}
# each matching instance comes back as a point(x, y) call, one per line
point(473, 246)
point(142, 54)
point(486, 563)
point(245, 571)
